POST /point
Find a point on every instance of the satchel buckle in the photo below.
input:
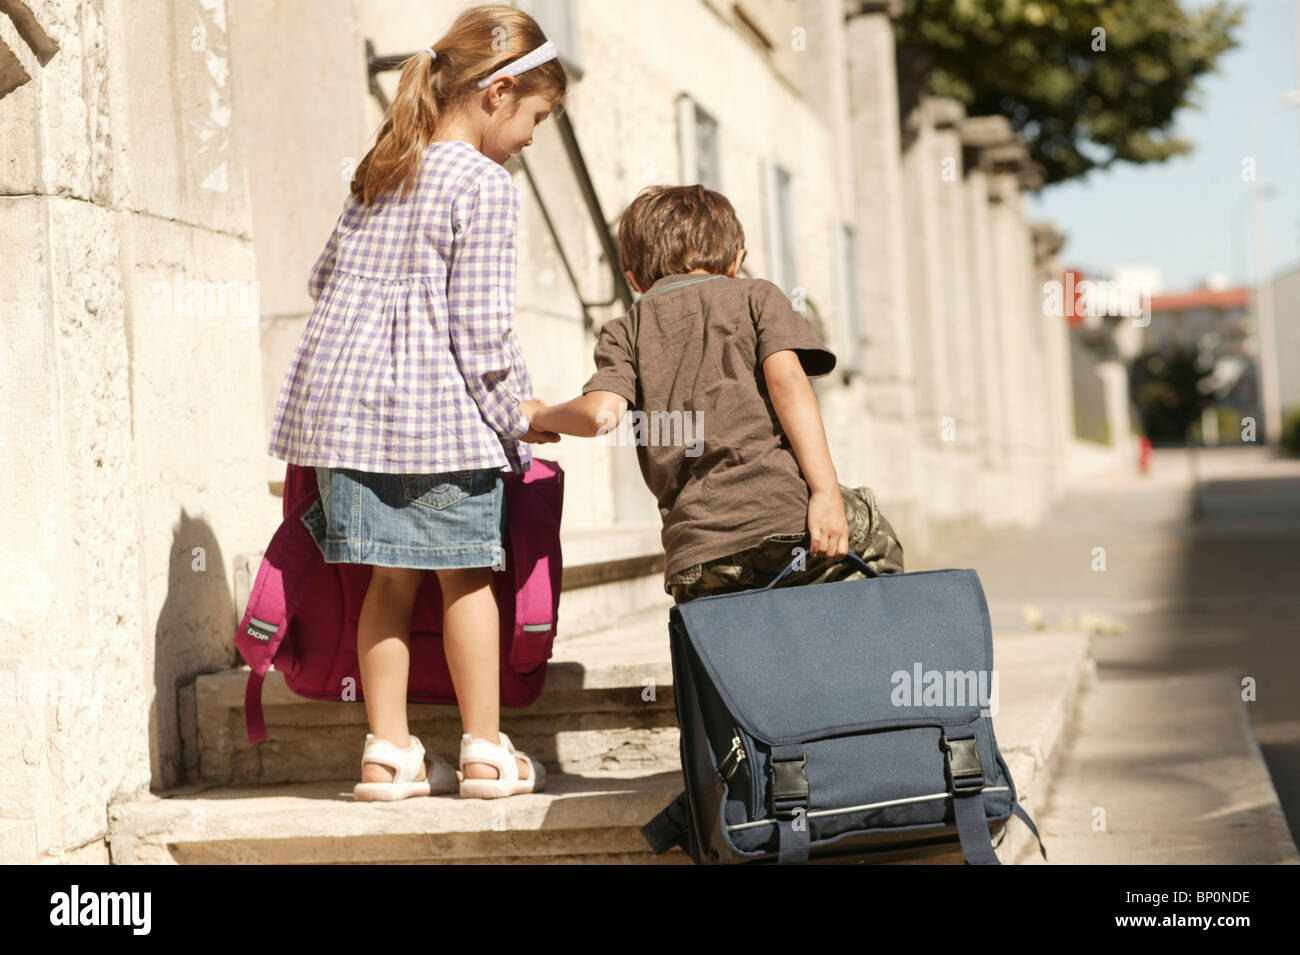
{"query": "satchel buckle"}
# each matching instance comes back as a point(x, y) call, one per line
point(961, 765)
point(789, 789)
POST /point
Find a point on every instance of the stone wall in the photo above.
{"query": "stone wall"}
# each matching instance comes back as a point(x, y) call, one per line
point(133, 405)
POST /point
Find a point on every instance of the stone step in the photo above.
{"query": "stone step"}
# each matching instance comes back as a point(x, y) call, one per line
point(607, 705)
point(583, 817)
point(579, 818)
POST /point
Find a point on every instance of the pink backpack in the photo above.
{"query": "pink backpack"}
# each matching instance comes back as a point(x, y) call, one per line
point(302, 612)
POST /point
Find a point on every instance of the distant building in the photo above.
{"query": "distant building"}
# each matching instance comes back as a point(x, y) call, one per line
point(1095, 313)
point(1286, 330)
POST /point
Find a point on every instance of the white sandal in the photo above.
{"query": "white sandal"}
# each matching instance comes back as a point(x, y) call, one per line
point(502, 756)
point(405, 764)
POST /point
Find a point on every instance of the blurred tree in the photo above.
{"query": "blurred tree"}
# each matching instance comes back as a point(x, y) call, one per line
point(1087, 82)
point(1166, 387)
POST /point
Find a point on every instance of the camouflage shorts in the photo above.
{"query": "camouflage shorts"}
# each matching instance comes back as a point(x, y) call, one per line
point(871, 537)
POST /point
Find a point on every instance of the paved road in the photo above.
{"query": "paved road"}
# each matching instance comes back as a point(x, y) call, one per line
point(1163, 763)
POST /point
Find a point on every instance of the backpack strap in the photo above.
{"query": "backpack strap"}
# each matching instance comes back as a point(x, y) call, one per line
point(670, 827)
point(965, 776)
point(789, 790)
point(290, 562)
point(1019, 810)
point(788, 795)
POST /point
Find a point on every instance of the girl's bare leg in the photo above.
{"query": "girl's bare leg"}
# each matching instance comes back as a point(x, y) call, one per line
point(471, 633)
point(384, 657)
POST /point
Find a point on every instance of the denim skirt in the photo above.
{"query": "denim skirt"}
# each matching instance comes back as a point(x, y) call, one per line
point(421, 521)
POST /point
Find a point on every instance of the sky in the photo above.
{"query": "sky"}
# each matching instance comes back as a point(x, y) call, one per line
point(1190, 217)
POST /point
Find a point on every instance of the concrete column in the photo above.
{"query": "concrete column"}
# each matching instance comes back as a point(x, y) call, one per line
point(1029, 340)
point(986, 358)
point(1023, 387)
point(883, 293)
point(926, 295)
point(1009, 304)
point(956, 313)
point(1034, 361)
point(1060, 421)
point(1015, 368)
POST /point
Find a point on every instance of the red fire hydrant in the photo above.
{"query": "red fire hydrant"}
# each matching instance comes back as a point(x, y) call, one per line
point(1144, 454)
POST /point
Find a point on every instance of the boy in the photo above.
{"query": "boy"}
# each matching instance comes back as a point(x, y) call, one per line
point(731, 357)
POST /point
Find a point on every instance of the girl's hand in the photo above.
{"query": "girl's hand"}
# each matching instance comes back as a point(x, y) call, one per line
point(529, 407)
point(828, 529)
point(533, 436)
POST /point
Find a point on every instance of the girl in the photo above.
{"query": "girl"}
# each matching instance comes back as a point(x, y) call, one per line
point(405, 390)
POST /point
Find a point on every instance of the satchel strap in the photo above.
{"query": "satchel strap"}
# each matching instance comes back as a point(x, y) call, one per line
point(788, 793)
point(790, 568)
point(669, 828)
point(965, 775)
point(1019, 810)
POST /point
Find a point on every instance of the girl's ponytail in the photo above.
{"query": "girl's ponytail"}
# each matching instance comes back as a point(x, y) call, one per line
point(481, 39)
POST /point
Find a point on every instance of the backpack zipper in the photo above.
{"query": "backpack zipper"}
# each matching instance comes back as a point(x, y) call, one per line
point(737, 752)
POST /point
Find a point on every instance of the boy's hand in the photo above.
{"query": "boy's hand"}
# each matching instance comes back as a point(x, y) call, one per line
point(529, 407)
point(828, 529)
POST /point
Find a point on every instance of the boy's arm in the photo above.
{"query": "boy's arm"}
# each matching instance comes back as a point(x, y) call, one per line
point(586, 416)
point(788, 351)
point(607, 393)
point(796, 407)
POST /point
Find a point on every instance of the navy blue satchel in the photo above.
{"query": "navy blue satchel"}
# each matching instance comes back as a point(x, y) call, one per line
point(843, 720)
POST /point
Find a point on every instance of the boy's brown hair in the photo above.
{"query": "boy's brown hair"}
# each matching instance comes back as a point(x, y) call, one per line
point(666, 230)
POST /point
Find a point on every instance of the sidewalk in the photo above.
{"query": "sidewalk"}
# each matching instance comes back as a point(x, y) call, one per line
point(1162, 763)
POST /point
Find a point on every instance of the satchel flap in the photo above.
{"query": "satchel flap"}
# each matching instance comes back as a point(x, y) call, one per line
point(798, 663)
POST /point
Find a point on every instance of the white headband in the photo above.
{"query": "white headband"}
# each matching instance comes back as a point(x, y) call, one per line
point(537, 57)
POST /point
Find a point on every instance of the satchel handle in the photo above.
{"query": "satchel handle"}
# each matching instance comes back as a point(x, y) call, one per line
point(781, 576)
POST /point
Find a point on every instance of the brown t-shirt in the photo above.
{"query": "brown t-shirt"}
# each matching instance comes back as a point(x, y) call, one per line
point(688, 358)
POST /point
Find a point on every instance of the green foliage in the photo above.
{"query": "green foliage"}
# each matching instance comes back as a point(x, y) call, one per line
point(1092, 427)
point(1291, 430)
point(1229, 425)
point(1039, 64)
point(1166, 387)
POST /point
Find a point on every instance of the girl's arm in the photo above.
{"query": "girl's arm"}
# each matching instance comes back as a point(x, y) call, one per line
point(481, 299)
point(324, 267)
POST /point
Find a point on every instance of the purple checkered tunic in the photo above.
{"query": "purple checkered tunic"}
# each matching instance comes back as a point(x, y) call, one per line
point(409, 362)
